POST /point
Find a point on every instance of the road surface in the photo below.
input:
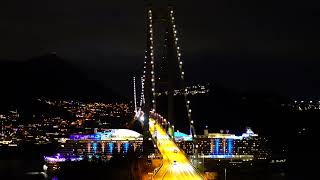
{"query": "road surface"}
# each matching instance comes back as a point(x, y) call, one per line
point(175, 163)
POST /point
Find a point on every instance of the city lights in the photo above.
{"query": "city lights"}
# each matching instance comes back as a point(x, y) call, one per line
point(149, 120)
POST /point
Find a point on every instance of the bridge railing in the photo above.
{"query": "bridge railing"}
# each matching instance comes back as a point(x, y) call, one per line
point(163, 159)
point(196, 169)
point(157, 171)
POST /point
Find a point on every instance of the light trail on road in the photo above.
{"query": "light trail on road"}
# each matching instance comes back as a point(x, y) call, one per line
point(175, 163)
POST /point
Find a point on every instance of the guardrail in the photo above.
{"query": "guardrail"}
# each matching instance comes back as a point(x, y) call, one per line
point(160, 168)
point(154, 173)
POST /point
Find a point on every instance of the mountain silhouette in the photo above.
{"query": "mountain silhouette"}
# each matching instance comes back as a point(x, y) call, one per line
point(49, 76)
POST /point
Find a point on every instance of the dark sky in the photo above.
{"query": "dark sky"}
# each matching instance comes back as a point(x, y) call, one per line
point(265, 45)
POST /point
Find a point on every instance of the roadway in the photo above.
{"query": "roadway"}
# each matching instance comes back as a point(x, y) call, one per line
point(175, 164)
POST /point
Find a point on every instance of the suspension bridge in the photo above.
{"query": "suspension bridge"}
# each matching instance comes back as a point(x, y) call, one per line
point(163, 50)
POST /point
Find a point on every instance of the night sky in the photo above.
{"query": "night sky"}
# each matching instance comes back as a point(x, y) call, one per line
point(260, 45)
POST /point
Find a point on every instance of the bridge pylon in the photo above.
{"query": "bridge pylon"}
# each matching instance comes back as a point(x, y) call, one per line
point(162, 47)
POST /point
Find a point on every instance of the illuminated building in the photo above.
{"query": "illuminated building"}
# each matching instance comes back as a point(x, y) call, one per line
point(101, 144)
point(248, 146)
point(252, 144)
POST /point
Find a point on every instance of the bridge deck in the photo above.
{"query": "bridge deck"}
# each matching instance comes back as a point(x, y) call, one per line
point(175, 163)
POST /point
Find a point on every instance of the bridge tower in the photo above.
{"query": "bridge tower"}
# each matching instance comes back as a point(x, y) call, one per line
point(163, 49)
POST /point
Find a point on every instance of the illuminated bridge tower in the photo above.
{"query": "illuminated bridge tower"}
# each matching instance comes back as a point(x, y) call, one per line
point(163, 66)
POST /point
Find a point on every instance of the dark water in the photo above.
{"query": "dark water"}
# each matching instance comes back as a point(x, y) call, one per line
point(17, 168)
point(16, 162)
point(255, 170)
point(26, 162)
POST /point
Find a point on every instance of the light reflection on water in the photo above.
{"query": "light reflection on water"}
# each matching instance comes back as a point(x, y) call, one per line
point(126, 147)
point(111, 148)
